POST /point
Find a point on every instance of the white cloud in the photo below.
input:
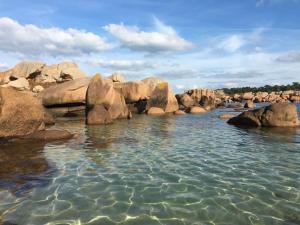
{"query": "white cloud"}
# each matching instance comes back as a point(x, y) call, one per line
point(128, 65)
point(3, 66)
point(164, 39)
point(291, 57)
point(31, 40)
point(232, 43)
point(269, 2)
point(235, 42)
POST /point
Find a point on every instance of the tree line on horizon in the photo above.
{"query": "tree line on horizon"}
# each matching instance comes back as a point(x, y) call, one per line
point(295, 86)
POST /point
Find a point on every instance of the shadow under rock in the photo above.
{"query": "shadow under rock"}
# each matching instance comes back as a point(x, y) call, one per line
point(23, 166)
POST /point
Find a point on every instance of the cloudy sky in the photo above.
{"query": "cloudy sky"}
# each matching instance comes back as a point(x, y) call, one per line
point(191, 43)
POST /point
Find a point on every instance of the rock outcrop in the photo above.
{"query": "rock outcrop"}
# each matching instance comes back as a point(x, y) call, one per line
point(163, 97)
point(104, 103)
point(151, 83)
point(155, 111)
point(20, 113)
point(38, 73)
point(133, 91)
point(117, 77)
point(276, 115)
point(68, 93)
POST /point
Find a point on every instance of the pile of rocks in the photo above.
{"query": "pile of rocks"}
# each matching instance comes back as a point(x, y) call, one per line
point(36, 76)
point(196, 100)
point(259, 97)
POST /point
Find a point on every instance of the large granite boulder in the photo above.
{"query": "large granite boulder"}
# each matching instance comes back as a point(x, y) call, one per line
point(248, 96)
point(24, 69)
point(104, 103)
point(20, 113)
point(185, 100)
point(151, 83)
point(20, 84)
point(207, 102)
point(60, 72)
point(68, 93)
point(154, 111)
point(276, 115)
point(163, 97)
point(132, 91)
point(40, 73)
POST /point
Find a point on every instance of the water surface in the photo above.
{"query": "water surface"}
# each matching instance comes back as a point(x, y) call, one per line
point(192, 169)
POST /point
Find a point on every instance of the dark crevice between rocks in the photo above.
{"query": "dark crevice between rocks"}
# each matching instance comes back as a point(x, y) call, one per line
point(66, 105)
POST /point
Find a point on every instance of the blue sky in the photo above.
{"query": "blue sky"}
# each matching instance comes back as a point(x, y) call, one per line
point(190, 43)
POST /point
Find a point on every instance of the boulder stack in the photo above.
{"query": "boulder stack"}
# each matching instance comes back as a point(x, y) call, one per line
point(163, 97)
point(104, 103)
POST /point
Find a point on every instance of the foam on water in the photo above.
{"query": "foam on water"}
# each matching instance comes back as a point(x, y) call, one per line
point(192, 169)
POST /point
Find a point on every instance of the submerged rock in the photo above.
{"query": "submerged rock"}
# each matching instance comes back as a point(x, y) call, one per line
point(20, 113)
point(50, 135)
point(226, 116)
point(276, 115)
point(179, 113)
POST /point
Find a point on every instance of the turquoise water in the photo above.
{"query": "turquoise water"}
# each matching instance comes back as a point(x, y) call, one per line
point(192, 169)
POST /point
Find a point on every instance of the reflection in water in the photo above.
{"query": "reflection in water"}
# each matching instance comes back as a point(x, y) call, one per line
point(23, 166)
point(194, 169)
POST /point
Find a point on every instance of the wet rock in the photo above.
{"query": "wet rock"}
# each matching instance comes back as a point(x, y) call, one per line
point(179, 113)
point(20, 113)
point(97, 115)
point(50, 135)
point(226, 116)
point(196, 110)
point(276, 115)
point(155, 111)
point(49, 118)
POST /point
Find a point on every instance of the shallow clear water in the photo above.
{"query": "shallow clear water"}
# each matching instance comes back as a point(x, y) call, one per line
point(192, 169)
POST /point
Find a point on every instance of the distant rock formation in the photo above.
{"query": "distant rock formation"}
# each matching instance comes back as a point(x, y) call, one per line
point(27, 74)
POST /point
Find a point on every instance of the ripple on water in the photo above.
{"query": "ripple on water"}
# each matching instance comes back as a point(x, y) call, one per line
point(194, 169)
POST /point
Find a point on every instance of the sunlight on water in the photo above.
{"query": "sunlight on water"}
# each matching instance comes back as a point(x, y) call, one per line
point(192, 169)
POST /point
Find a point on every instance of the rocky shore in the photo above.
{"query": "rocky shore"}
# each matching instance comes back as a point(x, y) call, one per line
point(33, 94)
